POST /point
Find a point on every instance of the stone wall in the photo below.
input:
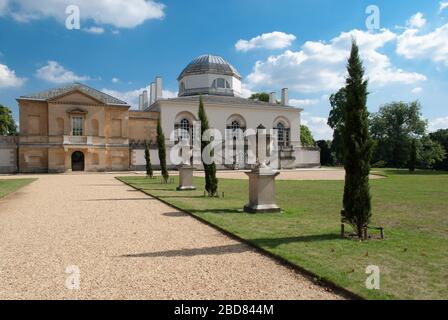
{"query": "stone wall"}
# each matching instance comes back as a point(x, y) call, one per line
point(8, 154)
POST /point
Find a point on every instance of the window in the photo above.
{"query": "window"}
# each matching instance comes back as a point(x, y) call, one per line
point(220, 83)
point(182, 86)
point(282, 134)
point(185, 126)
point(235, 125)
point(77, 126)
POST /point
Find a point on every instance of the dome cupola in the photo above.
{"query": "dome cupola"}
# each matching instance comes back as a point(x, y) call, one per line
point(209, 74)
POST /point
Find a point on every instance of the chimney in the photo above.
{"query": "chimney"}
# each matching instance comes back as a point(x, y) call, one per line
point(285, 98)
point(140, 102)
point(272, 98)
point(145, 99)
point(158, 88)
point(152, 93)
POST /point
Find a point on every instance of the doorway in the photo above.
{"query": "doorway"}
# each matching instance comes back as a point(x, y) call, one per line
point(77, 161)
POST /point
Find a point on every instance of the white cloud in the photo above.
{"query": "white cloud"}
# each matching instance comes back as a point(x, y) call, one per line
point(245, 91)
point(417, 90)
point(303, 102)
point(321, 66)
point(8, 78)
point(438, 123)
point(416, 21)
point(132, 96)
point(272, 40)
point(318, 127)
point(443, 6)
point(433, 45)
point(115, 32)
point(118, 13)
point(3, 6)
point(56, 73)
point(95, 30)
point(115, 80)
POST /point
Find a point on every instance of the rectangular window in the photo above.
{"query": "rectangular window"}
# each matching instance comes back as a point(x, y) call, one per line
point(77, 126)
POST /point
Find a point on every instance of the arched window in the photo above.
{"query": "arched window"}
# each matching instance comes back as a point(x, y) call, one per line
point(235, 125)
point(182, 86)
point(283, 134)
point(185, 124)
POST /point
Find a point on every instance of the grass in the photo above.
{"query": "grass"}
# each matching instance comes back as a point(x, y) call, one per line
point(10, 185)
point(413, 208)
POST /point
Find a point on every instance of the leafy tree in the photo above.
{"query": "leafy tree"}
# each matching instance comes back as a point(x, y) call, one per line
point(326, 156)
point(413, 156)
point(441, 136)
point(8, 126)
point(357, 208)
point(393, 127)
point(211, 182)
point(429, 152)
point(149, 171)
point(306, 137)
point(162, 151)
point(336, 122)
point(261, 96)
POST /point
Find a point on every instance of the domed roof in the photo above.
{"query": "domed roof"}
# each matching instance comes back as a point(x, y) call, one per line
point(209, 64)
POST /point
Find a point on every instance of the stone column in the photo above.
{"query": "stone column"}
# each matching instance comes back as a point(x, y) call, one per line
point(186, 178)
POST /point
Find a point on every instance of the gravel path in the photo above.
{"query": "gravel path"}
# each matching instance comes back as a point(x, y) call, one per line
point(126, 246)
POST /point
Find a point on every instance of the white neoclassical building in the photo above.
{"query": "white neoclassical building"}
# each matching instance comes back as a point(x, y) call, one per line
point(76, 127)
point(219, 84)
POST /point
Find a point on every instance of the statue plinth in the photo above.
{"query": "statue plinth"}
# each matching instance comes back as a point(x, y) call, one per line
point(186, 178)
point(262, 190)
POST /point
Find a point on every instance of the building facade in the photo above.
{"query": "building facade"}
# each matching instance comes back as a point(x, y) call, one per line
point(77, 128)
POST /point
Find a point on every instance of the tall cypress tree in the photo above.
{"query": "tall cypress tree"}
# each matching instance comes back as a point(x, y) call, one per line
point(162, 151)
point(357, 209)
point(149, 171)
point(211, 182)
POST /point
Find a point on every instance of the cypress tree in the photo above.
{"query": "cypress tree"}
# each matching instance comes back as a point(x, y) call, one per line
point(162, 151)
point(357, 209)
point(211, 182)
point(149, 171)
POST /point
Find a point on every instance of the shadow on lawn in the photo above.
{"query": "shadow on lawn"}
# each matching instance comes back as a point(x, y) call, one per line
point(233, 248)
point(274, 242)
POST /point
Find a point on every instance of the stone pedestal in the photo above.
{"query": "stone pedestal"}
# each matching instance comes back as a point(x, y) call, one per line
point(186, 178)
point(262, 191)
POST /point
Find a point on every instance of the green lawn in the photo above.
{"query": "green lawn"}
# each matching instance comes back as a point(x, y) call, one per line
point(413, 259)
point(10, 185)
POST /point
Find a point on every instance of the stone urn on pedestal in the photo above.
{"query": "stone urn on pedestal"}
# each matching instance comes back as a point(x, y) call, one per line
point(262, 186)
point(185, 172)
point(185, 178)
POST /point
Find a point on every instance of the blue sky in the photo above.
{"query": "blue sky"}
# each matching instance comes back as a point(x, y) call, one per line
point(301, 45)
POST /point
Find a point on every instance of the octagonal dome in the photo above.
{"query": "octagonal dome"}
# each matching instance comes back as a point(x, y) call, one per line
point(209, 64)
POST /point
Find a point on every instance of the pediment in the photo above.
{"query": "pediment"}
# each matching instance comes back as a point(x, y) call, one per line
point(76, 97)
